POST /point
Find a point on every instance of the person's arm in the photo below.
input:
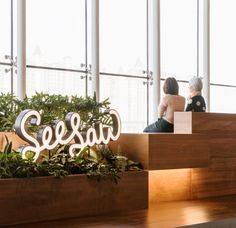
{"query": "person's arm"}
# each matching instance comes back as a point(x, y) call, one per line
point(162, 108)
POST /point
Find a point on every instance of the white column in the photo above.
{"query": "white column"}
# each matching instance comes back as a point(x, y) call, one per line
point(206, 52)
point(21, 48)
point(156, 64)
point(95, 47)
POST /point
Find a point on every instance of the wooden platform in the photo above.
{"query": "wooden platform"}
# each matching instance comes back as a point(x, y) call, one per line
point(162, 215)
point(219, 177)
point(164, 150)
point(202, 148)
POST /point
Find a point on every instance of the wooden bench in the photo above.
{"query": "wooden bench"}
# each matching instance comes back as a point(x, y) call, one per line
point(197, 161)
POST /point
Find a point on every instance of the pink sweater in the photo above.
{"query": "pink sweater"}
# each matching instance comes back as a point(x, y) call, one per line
point(169, 104)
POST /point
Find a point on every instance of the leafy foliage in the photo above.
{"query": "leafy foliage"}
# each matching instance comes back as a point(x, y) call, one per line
point(53, 107)
point(99, 164)
point(12, 164)
point(95, 163)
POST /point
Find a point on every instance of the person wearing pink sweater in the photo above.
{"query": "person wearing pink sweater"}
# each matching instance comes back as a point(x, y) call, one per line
point(170, 103)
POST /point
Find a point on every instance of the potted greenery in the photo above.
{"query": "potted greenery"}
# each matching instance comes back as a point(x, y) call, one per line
point(29, 190)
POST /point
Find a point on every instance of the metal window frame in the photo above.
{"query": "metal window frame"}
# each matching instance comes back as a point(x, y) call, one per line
point(147, 56)
point(95, 71)
point(206, 52)
point(156, 57)
point(21, 49)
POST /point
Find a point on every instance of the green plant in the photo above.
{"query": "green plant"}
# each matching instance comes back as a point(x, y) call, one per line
point(53, 107)
point(12, 164)
point(99, 164)
point(8, 111)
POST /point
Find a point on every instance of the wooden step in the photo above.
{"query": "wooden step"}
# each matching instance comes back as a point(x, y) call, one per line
point(159, 151)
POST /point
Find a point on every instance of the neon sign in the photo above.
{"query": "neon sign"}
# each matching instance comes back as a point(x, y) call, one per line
point(62, 133)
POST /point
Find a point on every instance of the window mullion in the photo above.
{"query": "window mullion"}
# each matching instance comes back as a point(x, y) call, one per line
point(21, 49)
point(155, 51)
point(95, 47)
point(206, 52)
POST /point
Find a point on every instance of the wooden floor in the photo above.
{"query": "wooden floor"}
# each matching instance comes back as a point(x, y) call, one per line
point(169, 214)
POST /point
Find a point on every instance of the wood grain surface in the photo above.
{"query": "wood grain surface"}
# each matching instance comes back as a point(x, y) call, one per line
point(49, 198)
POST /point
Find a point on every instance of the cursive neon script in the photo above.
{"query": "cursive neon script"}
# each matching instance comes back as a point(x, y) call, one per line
point(63, 133)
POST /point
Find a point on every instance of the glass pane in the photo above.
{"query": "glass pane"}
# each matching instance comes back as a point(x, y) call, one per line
point(89, 30)
point(151, 103)
point(183, 89)
point(5, 25)
point(123, 36)
point(56, 33)
point(54, 82)
point(178, 38)
point(222, 99)
point(5, 80)
point(223, 46)
point(129, 97)
point(15, 28)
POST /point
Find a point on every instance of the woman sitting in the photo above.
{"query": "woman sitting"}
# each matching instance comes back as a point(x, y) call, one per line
point(170, 103)
point(195, 101)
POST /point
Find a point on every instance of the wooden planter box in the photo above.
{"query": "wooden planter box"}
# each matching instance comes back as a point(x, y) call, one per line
point(49, 198)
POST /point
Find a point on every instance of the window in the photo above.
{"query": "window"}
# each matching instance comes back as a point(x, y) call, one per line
point(54, 82)
point(178, 39)
point(7, 46)
point(123, 36)
point(128, 96)
point(56, 33)
point(123, 58)
point(59, 50)
point(223, 99)
point(223, 48)
point(56, 46)
point(5, 25)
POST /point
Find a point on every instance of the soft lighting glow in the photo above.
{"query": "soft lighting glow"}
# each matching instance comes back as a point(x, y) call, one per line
point(169, 185)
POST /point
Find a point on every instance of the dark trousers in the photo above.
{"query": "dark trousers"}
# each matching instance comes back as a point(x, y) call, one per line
point(160, 126)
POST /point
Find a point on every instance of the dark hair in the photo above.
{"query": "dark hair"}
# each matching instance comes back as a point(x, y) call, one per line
point(171, 86)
